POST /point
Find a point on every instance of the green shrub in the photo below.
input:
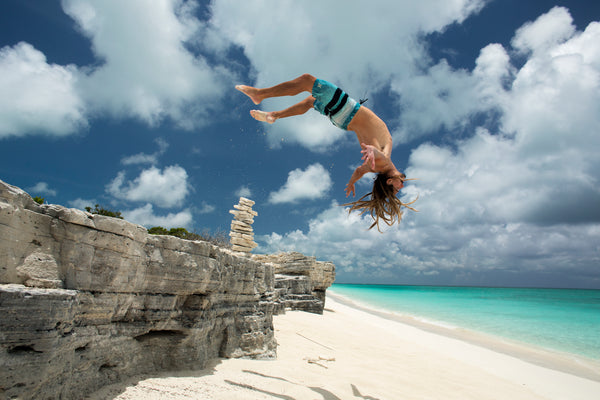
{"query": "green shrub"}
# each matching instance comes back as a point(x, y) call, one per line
point(158, 230)
point(182, 233)
point(39, 200)
point(218, 239)
point(102, 211)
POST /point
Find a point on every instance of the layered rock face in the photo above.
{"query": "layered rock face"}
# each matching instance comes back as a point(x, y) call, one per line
point(87, 300)
point(300, 281)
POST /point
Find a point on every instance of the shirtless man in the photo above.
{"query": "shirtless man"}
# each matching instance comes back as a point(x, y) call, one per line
point(345, 113)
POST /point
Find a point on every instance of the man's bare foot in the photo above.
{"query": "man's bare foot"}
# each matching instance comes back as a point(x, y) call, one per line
point(263, 116)
point(250, 92)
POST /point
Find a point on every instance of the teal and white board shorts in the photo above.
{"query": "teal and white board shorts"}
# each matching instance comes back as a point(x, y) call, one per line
point(334, 103)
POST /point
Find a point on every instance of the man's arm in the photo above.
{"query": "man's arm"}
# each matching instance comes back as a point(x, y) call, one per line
point(356, 175)
point(373, 161)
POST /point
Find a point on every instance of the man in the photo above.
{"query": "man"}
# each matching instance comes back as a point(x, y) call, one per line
point(345, 113)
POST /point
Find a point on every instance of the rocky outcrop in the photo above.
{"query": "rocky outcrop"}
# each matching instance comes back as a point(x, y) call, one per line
point(242, 235)
point(300, 281)
point(88, 300)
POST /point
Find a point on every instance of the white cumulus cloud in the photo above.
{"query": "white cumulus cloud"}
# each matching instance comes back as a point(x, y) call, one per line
point(37, 97)
point(151, 65)
point(146, 216)
point(145, 68)
point(166, 188)
point(312, 183)
point(140, 158)
point(547, 31)
point(42, 188)
point(81, 204)
point(143, 158)
point(244, 191)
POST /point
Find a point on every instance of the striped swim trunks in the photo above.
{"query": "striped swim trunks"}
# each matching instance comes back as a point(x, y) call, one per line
point(334, 103)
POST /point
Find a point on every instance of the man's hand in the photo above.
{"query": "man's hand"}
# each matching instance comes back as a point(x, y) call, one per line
point(356, 175)
point(368, 155)
point(350, 189)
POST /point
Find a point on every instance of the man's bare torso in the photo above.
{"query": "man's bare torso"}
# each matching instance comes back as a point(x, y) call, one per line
point(371, 130)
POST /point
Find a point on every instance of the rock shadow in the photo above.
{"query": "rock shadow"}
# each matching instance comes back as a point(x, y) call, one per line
point(358, 394)
point(327, 395)
point(109, 392)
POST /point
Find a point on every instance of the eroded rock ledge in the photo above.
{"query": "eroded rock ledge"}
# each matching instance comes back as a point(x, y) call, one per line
point(300, 281)
point(88, 300)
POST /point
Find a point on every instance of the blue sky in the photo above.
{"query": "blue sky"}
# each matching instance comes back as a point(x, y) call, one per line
point(493, 105)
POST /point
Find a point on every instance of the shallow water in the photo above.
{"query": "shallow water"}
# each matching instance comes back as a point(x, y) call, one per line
point(567, 320)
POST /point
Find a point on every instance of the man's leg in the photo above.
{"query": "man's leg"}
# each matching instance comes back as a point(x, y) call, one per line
point(303, 83)
point(296, 109)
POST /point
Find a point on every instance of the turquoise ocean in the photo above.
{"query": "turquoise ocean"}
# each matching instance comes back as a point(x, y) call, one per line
point(564, 320)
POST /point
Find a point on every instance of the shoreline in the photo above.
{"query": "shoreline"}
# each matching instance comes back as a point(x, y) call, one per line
point(349, 352)
point(569, 363)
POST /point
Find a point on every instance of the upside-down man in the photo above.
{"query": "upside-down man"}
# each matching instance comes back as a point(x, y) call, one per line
point(348, 114)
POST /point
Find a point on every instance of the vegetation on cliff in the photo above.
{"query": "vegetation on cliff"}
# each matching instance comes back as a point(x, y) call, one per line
point(103, 211)
point(219, 238)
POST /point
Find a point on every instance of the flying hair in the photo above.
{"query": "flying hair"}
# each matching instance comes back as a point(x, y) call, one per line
point(381, 203)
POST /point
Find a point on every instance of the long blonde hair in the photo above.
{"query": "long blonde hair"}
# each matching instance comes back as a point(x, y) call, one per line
point(382, 203)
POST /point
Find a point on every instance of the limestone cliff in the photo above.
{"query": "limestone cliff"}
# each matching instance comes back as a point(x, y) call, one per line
point(88, 300)
point(300, 281)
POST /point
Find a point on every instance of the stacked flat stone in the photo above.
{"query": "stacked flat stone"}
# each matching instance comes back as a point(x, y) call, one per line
point(242, 235)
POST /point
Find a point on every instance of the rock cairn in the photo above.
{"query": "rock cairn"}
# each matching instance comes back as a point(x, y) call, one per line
point(242, 235)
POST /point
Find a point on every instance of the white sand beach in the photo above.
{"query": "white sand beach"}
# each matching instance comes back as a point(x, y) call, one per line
point(348, 353)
